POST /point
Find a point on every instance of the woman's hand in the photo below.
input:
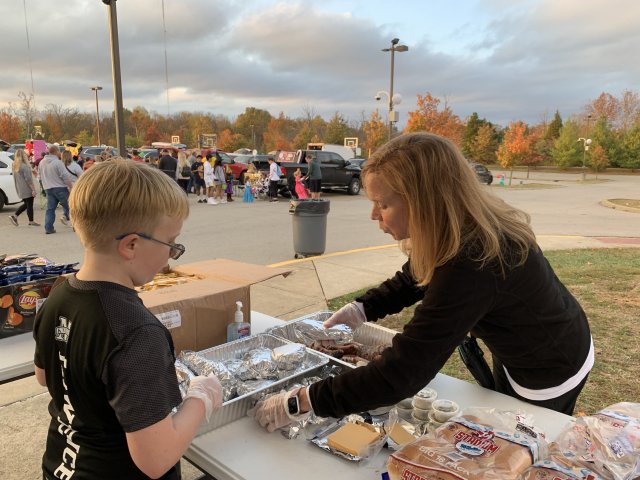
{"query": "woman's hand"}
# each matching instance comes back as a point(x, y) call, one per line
point(352, 315)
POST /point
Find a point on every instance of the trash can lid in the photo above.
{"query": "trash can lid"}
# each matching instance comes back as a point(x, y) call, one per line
point(310, 206)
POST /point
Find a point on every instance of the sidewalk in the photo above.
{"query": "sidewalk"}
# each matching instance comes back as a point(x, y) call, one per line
point(23, 404)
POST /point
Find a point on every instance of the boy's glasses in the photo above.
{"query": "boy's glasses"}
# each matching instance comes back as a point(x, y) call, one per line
point(176, 251)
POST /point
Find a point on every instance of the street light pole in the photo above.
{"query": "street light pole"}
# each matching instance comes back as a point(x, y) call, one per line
point(253, 138)
point(393, 116)
point(95, 89)
point(585, 146)
point(117, 82)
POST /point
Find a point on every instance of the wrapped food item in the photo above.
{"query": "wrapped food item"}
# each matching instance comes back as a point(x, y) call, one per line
point(184, 377)
point(260, 364)
point(607, 442)
point(351, 438)
point(480, 444)
point(288, 357)
point(203, 366)
point(252, 385)
point(308, 331)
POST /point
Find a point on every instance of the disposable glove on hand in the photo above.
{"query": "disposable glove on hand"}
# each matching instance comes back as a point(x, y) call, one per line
point(350, 315)
point(273, 413)
point(209, 390)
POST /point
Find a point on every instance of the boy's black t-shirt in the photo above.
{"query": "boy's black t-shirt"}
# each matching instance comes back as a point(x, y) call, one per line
point(109, 366)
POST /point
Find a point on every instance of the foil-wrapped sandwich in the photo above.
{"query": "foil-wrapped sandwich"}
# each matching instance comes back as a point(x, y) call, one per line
point(308, 331)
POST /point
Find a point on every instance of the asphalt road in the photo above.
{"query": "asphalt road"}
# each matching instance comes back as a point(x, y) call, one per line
point(261, 232)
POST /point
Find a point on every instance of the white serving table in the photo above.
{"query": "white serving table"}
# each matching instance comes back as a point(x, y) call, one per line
point(242, 450)
point(16, 357)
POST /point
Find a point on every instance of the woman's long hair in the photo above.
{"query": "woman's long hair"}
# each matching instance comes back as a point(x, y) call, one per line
point(19, 157)
point(448, 209)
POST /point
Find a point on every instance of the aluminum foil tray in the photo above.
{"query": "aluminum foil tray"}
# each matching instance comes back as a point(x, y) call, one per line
point(367, 334)
point(238, 407)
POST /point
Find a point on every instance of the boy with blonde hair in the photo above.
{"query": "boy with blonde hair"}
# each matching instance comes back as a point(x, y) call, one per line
point(106, 360)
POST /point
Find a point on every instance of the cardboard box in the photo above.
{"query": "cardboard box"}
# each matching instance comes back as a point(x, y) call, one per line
point(197, 312)
point(19, 304)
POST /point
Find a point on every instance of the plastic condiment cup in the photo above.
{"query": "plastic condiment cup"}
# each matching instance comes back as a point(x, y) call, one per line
point(421, 414)
point(424, 398)
point(443, 409)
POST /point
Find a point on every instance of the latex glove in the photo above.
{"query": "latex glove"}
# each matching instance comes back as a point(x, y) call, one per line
point(273, 413)
point(207, 389)
point(351, 315)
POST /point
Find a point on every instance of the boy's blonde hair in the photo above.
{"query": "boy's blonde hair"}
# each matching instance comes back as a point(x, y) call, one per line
point(448, 210)
point(122, 196)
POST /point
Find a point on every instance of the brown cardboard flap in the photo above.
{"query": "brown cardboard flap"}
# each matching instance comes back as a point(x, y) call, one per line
point(239, 273)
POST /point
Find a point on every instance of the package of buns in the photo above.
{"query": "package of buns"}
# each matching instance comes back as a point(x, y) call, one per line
point(481, 443)
point(607, 443)
point(558, 469)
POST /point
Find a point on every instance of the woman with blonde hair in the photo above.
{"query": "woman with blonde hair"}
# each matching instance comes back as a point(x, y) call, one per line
point(71, 165)
point(183, 171)
point(25, 186)
point(474, 268)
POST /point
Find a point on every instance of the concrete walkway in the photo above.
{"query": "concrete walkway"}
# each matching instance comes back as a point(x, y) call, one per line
point(23, 404)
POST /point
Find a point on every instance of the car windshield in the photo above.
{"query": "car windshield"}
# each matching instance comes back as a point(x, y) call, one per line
point(246, 159)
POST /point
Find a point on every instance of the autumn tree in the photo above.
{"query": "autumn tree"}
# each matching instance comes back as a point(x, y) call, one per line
point(566, 151)
point(598, 159)
point(375, 132)
point(252, 124)
point(630, 148)
point(515, 147)
point(484, 145)
point(602, 134)
point(229, 141)
point(605, 106)
point(279, 134)
point(553, 130)
point(337, 130)
point(152, 134)
point(427, 118)
point(26, 111)
point(10, 127)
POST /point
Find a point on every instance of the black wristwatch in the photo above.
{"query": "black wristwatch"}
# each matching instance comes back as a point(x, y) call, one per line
point(293, 404)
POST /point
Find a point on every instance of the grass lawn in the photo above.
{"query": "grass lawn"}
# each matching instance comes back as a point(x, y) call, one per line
point(606, 282)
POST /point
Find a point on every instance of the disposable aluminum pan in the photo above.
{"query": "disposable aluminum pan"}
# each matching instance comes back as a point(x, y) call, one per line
point(238, 407)
point(367, 334)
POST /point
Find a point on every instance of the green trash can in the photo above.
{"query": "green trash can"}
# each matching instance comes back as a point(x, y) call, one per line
point(309, 220)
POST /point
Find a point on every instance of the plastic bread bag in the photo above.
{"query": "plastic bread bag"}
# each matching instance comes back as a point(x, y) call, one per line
point(481, 443)
point(607, 443)
point(553, 469)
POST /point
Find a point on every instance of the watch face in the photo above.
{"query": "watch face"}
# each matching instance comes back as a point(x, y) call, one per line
point(292, 404)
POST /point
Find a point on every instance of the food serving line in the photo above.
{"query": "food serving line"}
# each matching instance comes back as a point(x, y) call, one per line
point(243, 450)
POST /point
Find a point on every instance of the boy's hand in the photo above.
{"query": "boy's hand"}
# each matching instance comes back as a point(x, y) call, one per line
point(209, 390)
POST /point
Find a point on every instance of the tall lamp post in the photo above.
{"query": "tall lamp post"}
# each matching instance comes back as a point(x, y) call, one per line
point(115, 73)
point(253, 138)
point(95, 89)
point(393, 116)
point(585, 146)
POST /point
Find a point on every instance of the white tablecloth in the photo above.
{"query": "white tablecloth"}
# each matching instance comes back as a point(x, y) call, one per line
point(16, 357)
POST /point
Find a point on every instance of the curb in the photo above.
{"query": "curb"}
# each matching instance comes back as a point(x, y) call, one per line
point(615, 206)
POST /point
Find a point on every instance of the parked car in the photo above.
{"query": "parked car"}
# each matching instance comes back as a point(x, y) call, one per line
point(261, 163)
point(90, 152)
point(482, 172)
point(357, 161)
point(8, 193)
point(15, 146)
point(238, 168)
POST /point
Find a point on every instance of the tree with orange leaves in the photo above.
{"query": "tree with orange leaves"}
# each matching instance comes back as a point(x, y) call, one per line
point(375, 132)
point(515, 147)
point(427, 118)
point(9, 127)
point(279, 133)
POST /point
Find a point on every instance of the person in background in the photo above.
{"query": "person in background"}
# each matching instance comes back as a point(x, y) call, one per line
point(475, 267)
point(183, 171)
point(88, 163)
point(209, 180)
point(301, 188)
point(199, 185)
point(135, 156)
point(25, 186)
point(314, 175)
point(191, 159)
point(228, 177)
point(219, 178)
point(108, 363)
point(274, 179)
point(57, 182)
point(72, 167)
point(168, 164)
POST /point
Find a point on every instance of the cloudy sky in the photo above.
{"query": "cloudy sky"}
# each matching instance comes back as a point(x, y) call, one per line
point(505, 59)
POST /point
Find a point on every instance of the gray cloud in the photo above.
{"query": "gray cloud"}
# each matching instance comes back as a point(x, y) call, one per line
point(532, 57)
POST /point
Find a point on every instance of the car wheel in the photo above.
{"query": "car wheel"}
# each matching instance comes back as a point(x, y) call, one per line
point(354, 186)
point(2, 200)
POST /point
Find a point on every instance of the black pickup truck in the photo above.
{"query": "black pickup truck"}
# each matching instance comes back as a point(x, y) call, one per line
point(336, 171)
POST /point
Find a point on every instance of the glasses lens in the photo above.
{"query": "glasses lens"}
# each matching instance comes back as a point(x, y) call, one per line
point(176, 251)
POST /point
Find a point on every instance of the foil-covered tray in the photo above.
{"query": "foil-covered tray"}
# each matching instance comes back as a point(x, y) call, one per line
point(367, 334)
point(238, 407)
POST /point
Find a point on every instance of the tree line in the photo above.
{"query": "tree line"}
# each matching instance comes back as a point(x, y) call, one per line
point(612, 123)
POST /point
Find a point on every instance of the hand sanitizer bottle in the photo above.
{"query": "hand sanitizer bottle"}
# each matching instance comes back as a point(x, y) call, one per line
point(238, 328)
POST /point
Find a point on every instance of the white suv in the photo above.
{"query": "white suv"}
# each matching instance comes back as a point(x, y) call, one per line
point(8, 193)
